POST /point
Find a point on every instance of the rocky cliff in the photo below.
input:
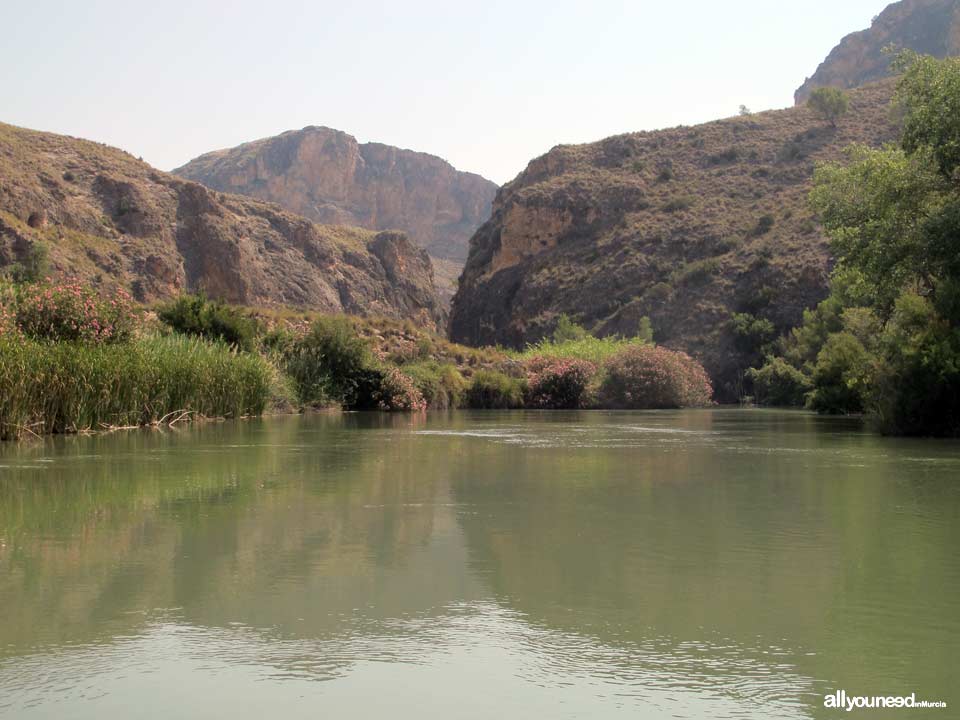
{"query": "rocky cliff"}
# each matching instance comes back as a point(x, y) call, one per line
point(111, 220)
point(327, 176)
point(931, 27)
point(689, 226)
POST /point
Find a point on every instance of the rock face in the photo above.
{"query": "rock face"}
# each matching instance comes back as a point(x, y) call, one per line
point(327, 176)
point(687, 226)
point(930, 27)
point(112, 220)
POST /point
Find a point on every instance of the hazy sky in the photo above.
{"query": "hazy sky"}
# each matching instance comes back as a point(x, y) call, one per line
point(487, 85)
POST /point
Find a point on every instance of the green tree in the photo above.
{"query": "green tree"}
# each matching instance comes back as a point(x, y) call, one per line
point(887, 340)
point(829, 103)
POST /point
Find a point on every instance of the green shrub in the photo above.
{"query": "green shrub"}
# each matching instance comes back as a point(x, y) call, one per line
point(678, 204)
point(653, 377)
point(780, 384)
point(829, 103)
point(56, 387)
point(752, 336)
point(560, 383)
point(441, 385)
point(567, 330)
point(332, 363)
point(495, 390)
point(71, 312)
point(33, 264)
point(764, 225)
point(695, 272)
point(840, 375)
point(211, 319)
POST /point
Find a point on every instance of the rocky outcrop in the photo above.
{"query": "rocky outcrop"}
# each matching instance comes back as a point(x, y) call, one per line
point(327, 176)
point(112, 220)
point(930, 27)
point(688, 226)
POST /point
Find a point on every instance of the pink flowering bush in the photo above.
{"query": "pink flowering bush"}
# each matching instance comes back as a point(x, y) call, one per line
point(70, 311)
point(646, 376)
point(397, 391)
point(558, 382)
point(8, 314)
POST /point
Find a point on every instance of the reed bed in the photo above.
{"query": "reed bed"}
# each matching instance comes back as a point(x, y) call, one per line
point(57, 387)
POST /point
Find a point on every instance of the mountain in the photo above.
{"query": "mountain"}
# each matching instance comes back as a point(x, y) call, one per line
point(688, 226)
point(930, 27)
point(327, 176)
point(113, 220)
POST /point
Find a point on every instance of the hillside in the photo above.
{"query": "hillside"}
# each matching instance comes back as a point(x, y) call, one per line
point(327, 176)
point(111, 219)
point(687, 226)
point(930, 27)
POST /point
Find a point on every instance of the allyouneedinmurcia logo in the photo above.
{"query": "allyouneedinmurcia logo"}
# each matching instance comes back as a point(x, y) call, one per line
point(840, 700)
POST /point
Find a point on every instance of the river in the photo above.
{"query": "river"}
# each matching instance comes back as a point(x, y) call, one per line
point(691, 564)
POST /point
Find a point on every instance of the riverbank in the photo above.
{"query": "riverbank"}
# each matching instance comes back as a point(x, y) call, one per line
point(75, 361)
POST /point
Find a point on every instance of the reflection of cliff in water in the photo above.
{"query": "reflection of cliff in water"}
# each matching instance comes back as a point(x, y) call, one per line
point(316, 528)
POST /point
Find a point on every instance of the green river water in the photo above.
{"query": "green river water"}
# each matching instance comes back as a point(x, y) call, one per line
point(700, 564)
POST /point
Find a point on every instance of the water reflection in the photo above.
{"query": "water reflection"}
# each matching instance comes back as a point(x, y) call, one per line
point(700, 564)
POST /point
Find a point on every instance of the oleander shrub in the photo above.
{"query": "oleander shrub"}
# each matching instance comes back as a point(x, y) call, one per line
point(211, 319)
point(561, 383)
point(645, 376)
point(495, 390)
point(68, 311)
point(8, 312)
point(397, 391)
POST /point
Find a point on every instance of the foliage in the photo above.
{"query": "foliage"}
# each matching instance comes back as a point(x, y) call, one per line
point(211, 319)
point(840, 376)
point(915, 390)
point(780, 384)
point(567, 330)
point(33, 265)
point(588, 347)
point(332, 363)
point(55, 387)
point(752, 336)
point(441, 384)
point(764, 225)
point(8, 311)
point(558, 382)
point(928, 96)
point(495, 390)
point(397, 391)
point(875, 210)
point(653, 377)
point(829, 103)
point(697, 271)
point(72, 312)
point(887, 340)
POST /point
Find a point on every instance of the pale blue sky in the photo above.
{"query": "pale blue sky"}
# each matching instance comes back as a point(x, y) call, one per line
point(488, 85)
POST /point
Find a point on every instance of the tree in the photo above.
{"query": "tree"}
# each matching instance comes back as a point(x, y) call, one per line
point(744, 111)
point(887, 340)
point(829, 103)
